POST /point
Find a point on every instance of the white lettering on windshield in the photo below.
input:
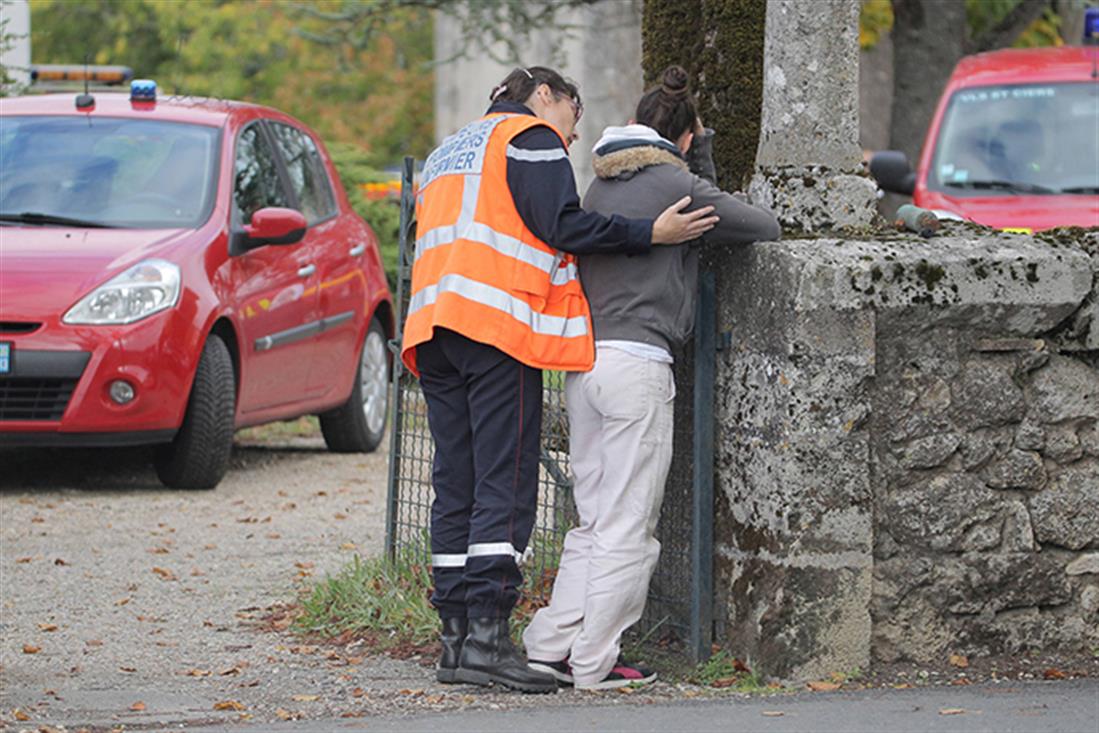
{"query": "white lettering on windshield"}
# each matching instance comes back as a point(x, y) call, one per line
point(998, 95)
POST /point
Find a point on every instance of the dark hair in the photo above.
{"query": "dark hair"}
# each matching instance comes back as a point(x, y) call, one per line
point(521, 83)
point(669, 108)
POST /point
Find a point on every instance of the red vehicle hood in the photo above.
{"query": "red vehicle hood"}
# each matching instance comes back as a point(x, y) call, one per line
point(1019, 212)
point(45, 270)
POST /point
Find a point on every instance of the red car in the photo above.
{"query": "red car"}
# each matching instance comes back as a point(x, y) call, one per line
point(1014, 143)
point(173, 270)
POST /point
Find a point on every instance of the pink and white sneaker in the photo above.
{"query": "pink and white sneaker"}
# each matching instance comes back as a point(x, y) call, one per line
point(622, 675)
point(561, 671)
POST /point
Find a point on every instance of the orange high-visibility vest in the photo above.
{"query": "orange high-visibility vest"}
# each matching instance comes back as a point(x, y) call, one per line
point(479, 270)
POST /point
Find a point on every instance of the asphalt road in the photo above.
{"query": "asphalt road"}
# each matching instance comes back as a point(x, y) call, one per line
point(1035, 707)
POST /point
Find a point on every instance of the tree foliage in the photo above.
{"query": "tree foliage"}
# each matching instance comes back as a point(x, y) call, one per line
point(377, 95)
point(988, 23)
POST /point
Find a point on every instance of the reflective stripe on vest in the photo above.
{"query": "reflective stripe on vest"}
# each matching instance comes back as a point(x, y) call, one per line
point(479, 270)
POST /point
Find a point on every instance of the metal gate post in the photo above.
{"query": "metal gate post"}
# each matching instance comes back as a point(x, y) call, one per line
point(404, 266)
point(702, 505)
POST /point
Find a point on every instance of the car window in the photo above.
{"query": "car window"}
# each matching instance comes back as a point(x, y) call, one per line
point(116, 172)
point(306, 170)
point(1040, 135)
point(257, 184)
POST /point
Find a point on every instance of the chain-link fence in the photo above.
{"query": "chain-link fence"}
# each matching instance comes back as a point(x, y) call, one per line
point(671, 616)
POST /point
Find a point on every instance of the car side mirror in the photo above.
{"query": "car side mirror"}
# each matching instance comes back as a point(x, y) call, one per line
point(890, 168)
point(272, 225)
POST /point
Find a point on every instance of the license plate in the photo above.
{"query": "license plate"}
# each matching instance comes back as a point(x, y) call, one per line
point(5, 357)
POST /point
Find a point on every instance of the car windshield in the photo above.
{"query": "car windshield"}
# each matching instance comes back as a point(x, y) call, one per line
point(106, 171)
point(1039, 138)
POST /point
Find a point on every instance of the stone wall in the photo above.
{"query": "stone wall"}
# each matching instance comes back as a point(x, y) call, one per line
point(907, 450)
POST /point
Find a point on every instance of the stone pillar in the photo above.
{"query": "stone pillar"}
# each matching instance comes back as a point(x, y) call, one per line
point(808, 161)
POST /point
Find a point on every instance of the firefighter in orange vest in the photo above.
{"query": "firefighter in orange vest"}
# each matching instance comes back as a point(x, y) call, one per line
point(495, 299)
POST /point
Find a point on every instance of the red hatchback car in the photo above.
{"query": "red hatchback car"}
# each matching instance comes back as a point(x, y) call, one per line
point(172, 270)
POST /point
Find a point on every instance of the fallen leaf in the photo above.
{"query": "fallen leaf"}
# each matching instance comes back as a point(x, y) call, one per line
point(339, 515)
point(210, 547)
point(47, 627)
point(37, 520)
point(94, 642)
point(822, 686)
point(349, 546)
point(724, 682)
point(772, 713)
point(23, 560)
point(1054, 674)
point(286, 714)
point(959, 660)
point(358, 692)
point(127, 669)
point(137, 707)
point(952, 711)
point(305, 698)
point(740, 666)
point(961, 681)
point(228, 705)
point(31, 649)
point(305, 565)
point(197, 572)
point(197, 673)
point(20, 715)
point(159, 550)
point(353, 661)
point(164, 573)
point(59, 561)
point(901, 686)
point(274, 536)
point(122, 601)
point(228, 671)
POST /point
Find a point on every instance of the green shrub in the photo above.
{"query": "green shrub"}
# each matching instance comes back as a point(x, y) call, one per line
point(383, 215)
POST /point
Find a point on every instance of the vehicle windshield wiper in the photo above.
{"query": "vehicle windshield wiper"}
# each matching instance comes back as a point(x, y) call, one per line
point(1014, 186)
point(1080, 189)
point(34, 217)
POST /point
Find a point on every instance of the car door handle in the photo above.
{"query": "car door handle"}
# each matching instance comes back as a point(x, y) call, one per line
point(307, 270)
point(356, 251)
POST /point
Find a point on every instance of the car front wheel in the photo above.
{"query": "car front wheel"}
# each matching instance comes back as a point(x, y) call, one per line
point(357, 426)
point(198, 457)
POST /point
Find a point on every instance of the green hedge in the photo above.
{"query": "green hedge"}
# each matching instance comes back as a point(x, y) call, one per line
point(384, 215)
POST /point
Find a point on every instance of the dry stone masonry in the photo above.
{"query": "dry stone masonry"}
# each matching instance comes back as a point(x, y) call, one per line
point(908, 449)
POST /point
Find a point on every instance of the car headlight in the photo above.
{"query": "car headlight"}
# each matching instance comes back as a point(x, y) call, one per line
point(146, 288)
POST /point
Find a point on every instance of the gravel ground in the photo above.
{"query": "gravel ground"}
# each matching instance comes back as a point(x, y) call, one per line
point(126, 604)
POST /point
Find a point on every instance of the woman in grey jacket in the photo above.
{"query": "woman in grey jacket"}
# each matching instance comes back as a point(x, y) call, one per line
point(620, 413)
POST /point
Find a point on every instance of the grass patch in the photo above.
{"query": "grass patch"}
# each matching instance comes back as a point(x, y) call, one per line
point(388, 603)
point(384, 601)
point(722, 670)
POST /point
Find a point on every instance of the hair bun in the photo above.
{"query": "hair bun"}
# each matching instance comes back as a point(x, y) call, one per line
point(675, 80)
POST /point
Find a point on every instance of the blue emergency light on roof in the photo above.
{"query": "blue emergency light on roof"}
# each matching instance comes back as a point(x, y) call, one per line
point(143, 90)
point(1091, 27)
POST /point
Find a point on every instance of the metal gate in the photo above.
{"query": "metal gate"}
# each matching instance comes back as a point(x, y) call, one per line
point(679, 609)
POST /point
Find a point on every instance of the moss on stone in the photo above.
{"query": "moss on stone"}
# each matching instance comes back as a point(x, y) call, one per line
point(929, 274)
point(720, 43)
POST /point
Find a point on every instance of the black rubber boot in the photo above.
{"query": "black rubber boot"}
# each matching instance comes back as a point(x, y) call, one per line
point(452, 636)
point(488, 657)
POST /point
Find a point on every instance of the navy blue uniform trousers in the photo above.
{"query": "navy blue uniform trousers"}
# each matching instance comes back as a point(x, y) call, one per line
point(485, 413)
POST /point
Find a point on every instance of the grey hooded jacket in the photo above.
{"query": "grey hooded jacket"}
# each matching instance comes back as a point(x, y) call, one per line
point(651, 298)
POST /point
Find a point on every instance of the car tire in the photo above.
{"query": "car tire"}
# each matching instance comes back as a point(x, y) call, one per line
point(358, 425)
point(198, 457)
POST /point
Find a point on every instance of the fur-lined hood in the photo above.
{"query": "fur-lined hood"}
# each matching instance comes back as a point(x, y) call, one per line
point(623, 151)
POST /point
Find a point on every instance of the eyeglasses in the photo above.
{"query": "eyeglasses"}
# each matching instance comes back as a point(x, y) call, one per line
point(577, 106)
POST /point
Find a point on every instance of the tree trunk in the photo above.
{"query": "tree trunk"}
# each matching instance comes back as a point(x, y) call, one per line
point(720, 43)
point(928, 40)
